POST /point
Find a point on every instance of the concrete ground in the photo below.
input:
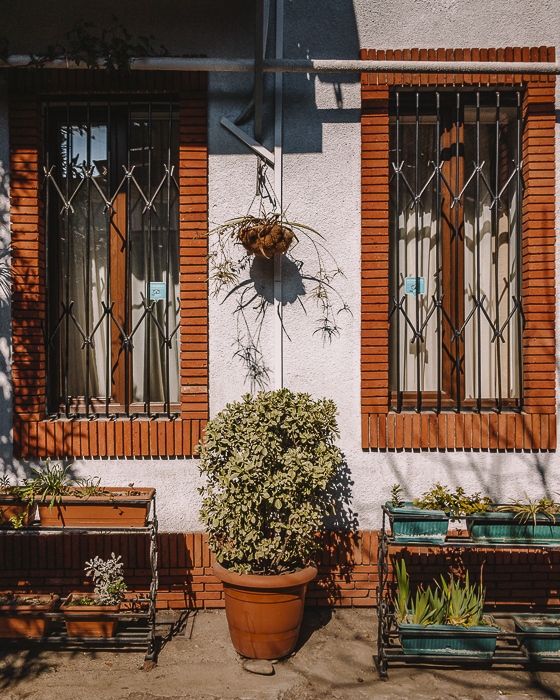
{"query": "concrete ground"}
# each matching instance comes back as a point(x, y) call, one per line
point(333, 660)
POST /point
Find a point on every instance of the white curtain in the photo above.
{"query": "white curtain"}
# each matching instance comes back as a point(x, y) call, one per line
point(417, 241)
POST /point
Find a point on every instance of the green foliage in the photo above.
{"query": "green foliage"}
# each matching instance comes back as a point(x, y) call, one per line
point(452, 602)
point(456, 504)
point(270, 462)
point(464, 602)
point(6, 486)
point(53, 483)
point(396, 496)
point(18, 521)
point(531, 508)
point(83, 600)
point(111, 48)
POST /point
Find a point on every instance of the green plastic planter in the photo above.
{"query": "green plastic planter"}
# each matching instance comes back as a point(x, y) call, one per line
point(479, 642)
point(504, 528)
point(411, 523)
point(539, 648)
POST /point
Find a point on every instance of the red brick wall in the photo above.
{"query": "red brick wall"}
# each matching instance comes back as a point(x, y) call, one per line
point(535, 428)
point(347, 568)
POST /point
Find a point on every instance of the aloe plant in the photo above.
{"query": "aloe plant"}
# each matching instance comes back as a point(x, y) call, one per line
point(452, 602)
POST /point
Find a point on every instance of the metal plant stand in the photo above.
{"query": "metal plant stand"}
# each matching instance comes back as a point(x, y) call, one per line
point(137, 618)
point(389, 650)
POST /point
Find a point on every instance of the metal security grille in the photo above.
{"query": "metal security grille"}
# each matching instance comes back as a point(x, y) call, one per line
point(455, 281)
point(112, 218)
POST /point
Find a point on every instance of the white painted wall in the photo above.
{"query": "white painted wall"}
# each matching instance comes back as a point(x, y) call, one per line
point(321, 189)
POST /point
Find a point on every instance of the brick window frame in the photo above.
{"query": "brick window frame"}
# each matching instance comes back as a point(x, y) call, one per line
point(535, 427)
point(35, 435)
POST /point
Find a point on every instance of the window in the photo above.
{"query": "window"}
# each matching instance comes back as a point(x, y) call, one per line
point(112, 232)
point(108, 210)
point(455, 278)
point(458, 256)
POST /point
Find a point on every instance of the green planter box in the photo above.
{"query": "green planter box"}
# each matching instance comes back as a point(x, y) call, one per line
point(449, 640)
point(411, 523)
point(503, 527)
point(543, 647)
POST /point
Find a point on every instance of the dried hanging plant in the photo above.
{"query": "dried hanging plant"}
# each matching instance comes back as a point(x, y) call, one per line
point(266, 236)
point(263, 236)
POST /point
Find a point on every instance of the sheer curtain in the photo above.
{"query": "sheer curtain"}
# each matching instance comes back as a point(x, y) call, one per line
point(86, 250)
point(489, 238)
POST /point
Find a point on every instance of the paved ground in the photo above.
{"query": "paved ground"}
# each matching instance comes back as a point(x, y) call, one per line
point(333, 660)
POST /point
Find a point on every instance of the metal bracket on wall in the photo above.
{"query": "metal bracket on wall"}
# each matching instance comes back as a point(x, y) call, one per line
point(249, 141)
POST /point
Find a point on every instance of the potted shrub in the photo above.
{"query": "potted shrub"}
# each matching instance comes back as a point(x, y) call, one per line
point(23, 614)
point(14, 510)
point(94, 615)
point(427, 518)
point(64, 502)
point(269, 462)
point(518, 522)
point(445, 620)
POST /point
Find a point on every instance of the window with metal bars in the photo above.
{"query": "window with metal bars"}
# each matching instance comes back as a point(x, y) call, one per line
point(112, 220)
point(455, 278)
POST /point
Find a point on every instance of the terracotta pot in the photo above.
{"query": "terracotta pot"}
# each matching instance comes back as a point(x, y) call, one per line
point(264, 613)
point(24, 619)
point(11, 507)
point(115, 510)
point(89, 620)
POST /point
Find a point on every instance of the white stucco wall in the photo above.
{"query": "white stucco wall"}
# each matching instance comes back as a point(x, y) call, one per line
point(321, 179)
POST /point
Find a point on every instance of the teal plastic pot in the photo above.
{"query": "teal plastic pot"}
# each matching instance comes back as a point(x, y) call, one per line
point(449, 640)
point(411, 523)
point(539, 648)
point(494, 527)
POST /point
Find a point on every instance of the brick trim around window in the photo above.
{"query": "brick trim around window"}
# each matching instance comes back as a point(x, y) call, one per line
point(34, 436)
point(535, 427)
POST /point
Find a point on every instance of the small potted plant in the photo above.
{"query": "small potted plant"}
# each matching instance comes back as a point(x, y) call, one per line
point(65, 502)
point(269, 462)
point(24, 614)
point(533, 521)
point(94, 615)
point(14, 510)
point(427, 518)
point(444, 620)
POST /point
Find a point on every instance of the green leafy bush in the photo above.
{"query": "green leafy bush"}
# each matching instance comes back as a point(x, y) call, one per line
point(455, 503)
point(270, 463)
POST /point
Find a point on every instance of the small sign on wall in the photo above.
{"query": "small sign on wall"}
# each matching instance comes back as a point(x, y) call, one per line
point(414, 285)
point(157, 291)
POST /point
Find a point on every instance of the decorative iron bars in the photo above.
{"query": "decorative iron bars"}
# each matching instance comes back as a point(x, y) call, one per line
point(455, 280)
point(112, 218)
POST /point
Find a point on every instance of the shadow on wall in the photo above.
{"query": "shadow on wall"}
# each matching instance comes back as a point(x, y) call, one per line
point(538, 476)
point(312, 29)
point(6, 446)
point(321, 30)
point(311, 286)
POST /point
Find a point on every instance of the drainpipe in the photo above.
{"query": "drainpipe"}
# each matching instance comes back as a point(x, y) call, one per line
point(278, 108)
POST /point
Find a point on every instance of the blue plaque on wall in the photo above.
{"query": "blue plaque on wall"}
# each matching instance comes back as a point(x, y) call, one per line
point(157, 291)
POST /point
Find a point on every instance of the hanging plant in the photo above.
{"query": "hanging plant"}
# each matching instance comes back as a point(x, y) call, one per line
point(265, 237)
point(262, 235)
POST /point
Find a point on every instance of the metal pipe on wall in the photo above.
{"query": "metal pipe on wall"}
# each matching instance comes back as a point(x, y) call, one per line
point(286, 65)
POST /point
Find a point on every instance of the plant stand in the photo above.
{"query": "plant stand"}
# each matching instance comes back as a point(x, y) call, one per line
point(509, 649)
point(137, 618)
